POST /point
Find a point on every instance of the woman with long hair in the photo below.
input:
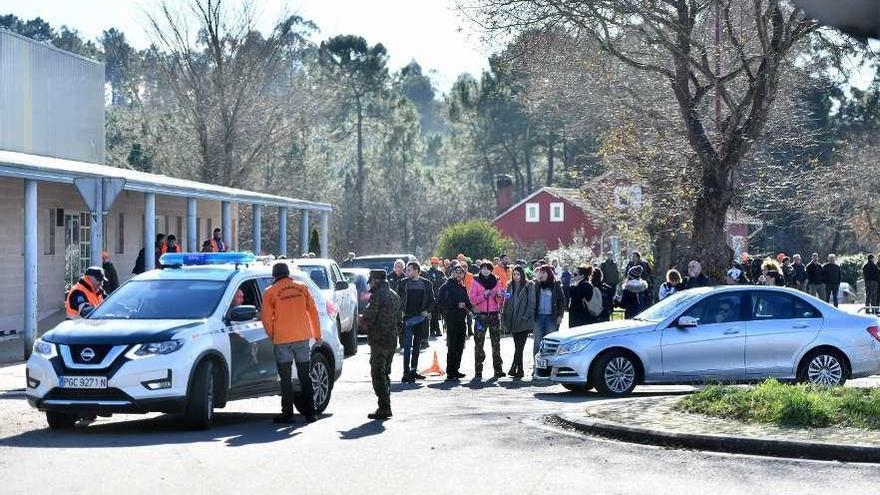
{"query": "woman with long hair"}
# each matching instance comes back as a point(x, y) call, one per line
point(518, 316)
point(581, 292)
point(549, 305)
point(608, 292)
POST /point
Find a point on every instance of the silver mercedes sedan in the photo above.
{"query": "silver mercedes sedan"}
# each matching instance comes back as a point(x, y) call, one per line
point(716, 334)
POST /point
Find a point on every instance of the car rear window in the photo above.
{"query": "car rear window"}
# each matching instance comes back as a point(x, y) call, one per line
point(161, 300)
point(386, 264)
point(318, 275)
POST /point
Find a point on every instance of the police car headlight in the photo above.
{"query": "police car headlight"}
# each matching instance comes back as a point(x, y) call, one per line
point(573, 347)
point(155, 349)
point(45, 349)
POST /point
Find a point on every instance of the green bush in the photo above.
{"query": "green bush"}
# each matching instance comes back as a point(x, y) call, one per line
point(851, 267)
point(477, 239)
point(781, 404)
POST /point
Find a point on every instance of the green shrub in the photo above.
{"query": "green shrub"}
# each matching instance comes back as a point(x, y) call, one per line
point(851, 267)
point(787, 405)
point(477, 239)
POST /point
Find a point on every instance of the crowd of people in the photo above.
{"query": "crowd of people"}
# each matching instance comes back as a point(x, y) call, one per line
point(822, 280)
point(480, 298)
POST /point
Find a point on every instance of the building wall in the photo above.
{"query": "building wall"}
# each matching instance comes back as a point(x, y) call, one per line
point(513, 223)
point(51, 267)
point(51, 101)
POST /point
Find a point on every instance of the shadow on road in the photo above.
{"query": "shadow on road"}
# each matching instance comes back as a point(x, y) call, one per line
point(370, 428)
point(234, 429)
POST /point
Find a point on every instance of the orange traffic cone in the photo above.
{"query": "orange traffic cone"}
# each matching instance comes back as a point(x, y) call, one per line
point(435, 368)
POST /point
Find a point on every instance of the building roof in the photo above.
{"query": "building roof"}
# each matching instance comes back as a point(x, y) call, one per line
point(42, 168)
point(574, 196)
point(571, 195)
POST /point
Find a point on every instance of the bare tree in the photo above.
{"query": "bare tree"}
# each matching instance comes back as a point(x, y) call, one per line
point(721, 61)
point(230, 82)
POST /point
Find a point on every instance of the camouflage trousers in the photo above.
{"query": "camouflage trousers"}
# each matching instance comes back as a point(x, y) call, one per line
point(487, 323)
point(380, 372)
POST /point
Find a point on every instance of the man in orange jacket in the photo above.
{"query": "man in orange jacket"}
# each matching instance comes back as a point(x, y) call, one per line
point(291, 319)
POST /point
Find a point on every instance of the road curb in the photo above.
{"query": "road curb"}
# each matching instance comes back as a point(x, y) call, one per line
point(795, 449)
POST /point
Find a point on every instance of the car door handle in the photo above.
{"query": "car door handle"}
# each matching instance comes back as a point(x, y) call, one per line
point(732, 331)
point(801, 326)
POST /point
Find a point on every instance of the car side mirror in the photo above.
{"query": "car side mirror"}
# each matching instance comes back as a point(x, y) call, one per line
point(687, 322)
point(243, 313)
point(341, 285)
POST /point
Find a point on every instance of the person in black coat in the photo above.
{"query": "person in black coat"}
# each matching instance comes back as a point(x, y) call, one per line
point(581, 293)
point(635, 297)
point(608, 291)
point(696, 277)
point(454, 303)
point(111, 278)
point(831, 275)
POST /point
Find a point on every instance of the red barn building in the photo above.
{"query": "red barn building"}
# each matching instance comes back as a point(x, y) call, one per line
point(552, 215)
point(549, 216)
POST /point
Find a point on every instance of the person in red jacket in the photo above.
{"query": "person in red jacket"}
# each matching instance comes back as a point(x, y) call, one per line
point(290, 318)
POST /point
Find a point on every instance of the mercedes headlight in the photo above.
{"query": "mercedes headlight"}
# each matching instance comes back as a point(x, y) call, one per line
point(573, 347)
point(45, 349)
point(156, 348)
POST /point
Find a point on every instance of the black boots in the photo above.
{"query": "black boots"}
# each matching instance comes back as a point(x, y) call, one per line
point(380, 414)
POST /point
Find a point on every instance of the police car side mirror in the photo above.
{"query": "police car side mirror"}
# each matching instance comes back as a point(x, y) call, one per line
point(341, 285)
point(243, 313)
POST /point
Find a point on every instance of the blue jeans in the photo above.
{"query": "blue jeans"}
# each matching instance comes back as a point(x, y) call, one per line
point(545, 324)
point(412, 341)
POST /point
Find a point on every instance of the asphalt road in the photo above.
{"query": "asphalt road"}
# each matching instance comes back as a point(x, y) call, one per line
point(485, 437)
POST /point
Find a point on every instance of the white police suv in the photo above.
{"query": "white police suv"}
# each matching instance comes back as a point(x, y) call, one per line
point(174, 340)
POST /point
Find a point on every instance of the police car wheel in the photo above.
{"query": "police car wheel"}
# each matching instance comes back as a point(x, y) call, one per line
point(60, 420)
point(200, 403)
point(322, 384)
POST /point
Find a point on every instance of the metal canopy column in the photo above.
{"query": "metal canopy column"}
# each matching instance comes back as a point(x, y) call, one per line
point(304, 231)
point(325, 234)
point(226, 222)
point(282, 231)
point(257, 230)
point(149, 231)
point(192, 234)
point(30, 265)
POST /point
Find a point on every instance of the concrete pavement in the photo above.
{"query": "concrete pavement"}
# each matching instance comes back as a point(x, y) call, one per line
point(488, 437)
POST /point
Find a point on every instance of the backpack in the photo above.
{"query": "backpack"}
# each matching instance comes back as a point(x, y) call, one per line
point(594, 307)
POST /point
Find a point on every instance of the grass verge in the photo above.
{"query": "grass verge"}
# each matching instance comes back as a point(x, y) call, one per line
point(782, 404)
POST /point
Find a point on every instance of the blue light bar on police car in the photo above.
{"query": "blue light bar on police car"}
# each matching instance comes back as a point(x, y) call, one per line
point(190, 259)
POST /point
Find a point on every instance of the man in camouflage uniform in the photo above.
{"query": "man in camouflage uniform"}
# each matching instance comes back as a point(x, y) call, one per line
point(382, 320)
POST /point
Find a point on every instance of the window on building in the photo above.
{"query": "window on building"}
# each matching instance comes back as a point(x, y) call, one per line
point(120, 234)
point(557, 212)
point(49, 248)
point(628, 197)
point(533, 212)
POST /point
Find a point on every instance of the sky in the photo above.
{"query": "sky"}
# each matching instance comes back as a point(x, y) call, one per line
point(428, 31)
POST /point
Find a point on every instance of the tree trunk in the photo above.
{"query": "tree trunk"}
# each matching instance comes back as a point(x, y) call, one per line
point(361, 178)
point(527, 151)
point(709, 243)
point(551, 143)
